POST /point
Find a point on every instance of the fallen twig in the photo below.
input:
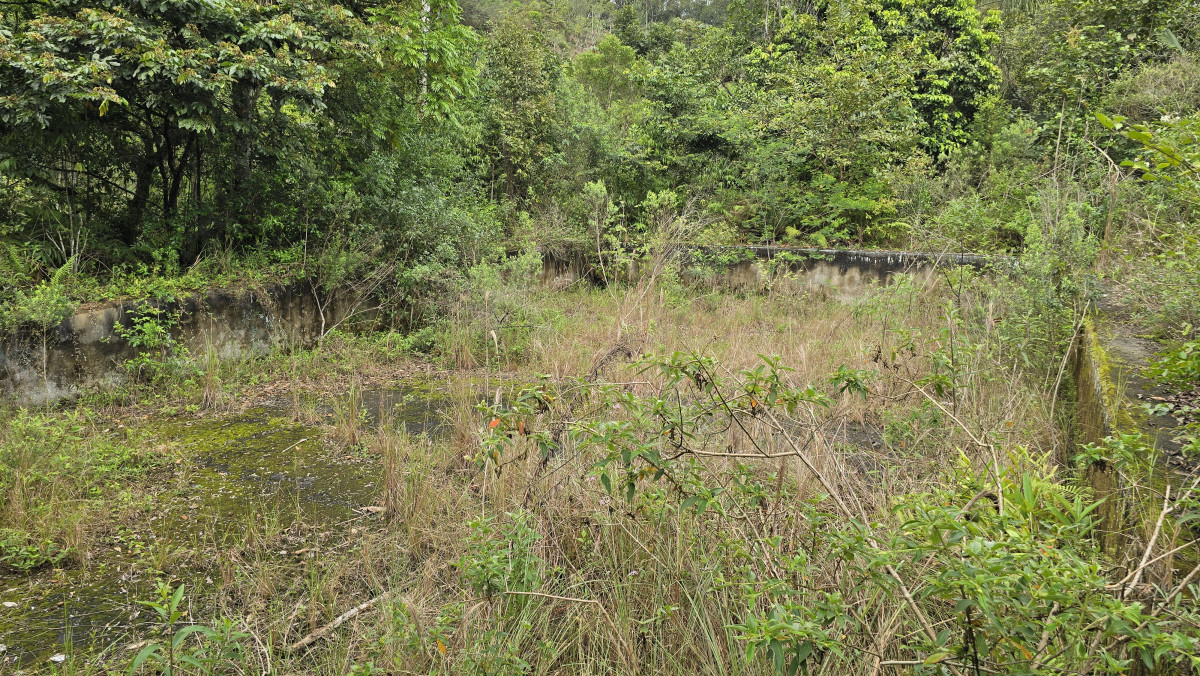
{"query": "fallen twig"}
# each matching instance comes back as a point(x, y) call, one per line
point(1166, 509)
point(912, 604)
point(337, 622)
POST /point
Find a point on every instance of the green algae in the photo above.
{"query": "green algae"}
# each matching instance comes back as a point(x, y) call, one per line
point(261, 461)
point(256, 472)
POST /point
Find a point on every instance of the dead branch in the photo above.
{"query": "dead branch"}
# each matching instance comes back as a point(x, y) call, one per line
point(332, 626)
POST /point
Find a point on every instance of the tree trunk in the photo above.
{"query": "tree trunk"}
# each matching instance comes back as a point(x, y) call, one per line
point(175, 184)
point(197, 230)
point(245, 102)
point(135, 214)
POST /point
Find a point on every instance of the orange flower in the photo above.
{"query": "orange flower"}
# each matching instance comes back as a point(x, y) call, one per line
point(492, 425)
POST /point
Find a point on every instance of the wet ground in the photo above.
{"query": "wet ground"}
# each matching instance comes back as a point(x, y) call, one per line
point(259, 470)
point(1131, 354)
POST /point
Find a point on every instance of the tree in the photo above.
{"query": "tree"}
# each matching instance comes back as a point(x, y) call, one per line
point(950, 47)
point(520, 76)
point(1064, 55)
point(606, 70)
point(146, 100)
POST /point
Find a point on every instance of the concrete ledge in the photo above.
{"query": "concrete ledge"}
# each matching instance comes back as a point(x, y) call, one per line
point(1103, 370)
point(863, 257)
point(87, 351)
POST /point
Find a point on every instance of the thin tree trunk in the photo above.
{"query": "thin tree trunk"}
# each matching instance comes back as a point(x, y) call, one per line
point(176, 175)
point(245, 101)
point(135, 214)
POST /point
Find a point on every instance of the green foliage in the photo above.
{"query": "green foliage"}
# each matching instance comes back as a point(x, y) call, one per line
point(177, 128)
point(952, 50)
point(788, 134)
point(54, 469)
point(1119, 451)
point(18, 552)
point(607, 70)
point(852, 381)
point(1172, 152)
point(44, 306)
point(796, 635)
point(1006, 573)
point(1064, 55)
point(1180, 366)
point(519, 80)
point(1166, 257)
point(186, 648)
point(500, 555)
point(149, 332)
point(1006, 566)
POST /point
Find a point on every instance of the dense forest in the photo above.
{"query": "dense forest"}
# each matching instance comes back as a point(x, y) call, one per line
point(439, 337)
point(149, 138)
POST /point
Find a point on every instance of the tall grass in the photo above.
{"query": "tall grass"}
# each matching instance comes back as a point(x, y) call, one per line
point(56, 472)
point(627, 588)
point(509, 545)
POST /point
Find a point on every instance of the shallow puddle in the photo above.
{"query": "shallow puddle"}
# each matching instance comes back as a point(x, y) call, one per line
point(258, 472)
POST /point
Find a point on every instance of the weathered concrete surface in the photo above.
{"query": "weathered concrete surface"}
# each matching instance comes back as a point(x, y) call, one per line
point(86, 351)
point(1096, 414)
point(1107, 361)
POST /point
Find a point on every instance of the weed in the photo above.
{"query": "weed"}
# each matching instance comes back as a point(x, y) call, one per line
point(500, 556)
point(349, 415)
point(209, 650)
point(1179, 367)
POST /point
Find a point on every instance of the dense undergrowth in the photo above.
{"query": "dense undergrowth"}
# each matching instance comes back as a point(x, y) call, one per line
point(341, 149)
point(659, 476)
point(656, 474)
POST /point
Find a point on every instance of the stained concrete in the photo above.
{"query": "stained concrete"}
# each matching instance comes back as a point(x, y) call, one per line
point(86, 351)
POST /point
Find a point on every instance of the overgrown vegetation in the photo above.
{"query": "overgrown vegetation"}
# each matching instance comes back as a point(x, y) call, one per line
point(327, 144)
point(632, 470)
point(890, 487)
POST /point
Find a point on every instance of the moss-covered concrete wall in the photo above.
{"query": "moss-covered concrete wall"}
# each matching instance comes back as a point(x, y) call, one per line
point(87, 350)
point(1095, 414)
point(1104, 410)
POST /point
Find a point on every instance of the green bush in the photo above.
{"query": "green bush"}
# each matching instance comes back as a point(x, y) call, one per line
point(1179, 366)
point(500, 556)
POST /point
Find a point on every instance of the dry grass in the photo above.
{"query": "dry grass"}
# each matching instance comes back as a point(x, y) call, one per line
point(625, 589)
point(625, 586)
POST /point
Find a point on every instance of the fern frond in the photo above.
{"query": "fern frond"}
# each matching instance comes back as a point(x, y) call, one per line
point(60, 275)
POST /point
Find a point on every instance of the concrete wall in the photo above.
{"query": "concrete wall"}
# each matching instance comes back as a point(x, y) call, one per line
point(1095, 413)
point(1104, 408)
point(86, 351)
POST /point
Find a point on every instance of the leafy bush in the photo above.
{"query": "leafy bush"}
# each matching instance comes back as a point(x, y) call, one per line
point(1180, 366)
point(160, 355)
point(500, 556)
point(993, 570)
